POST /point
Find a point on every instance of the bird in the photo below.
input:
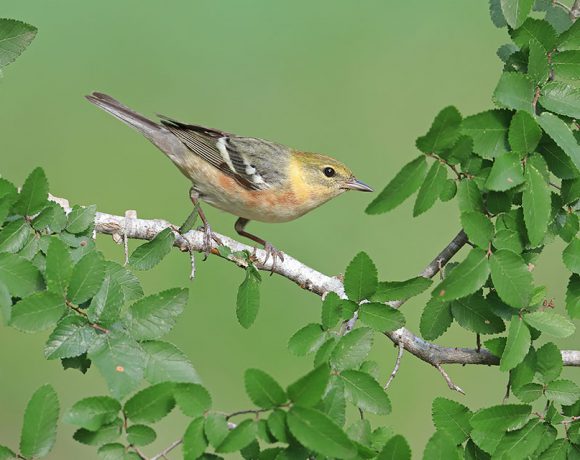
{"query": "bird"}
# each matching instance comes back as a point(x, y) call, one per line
point(249, 177)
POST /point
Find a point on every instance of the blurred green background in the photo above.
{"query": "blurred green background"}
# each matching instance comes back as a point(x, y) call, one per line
point(357, 80)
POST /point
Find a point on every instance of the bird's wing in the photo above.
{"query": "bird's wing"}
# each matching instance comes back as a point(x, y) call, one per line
point(248, 160)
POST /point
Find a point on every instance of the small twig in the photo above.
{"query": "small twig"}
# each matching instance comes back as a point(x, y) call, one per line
point(450, 383)
point(168, 449)
point(478, 342)
point(396, 368)
point(556, 186)
point(536, 97)
point(83, 313)
point(349, 325)
point(575, 11)
point(139, 452)
point(507, 391)
point(192, 259)
point(561, 5)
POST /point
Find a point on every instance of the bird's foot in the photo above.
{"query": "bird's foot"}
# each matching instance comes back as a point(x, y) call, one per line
point(208, 238)
point(271, 251)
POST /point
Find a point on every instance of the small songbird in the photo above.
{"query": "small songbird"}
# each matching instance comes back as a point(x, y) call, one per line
point(251, 178)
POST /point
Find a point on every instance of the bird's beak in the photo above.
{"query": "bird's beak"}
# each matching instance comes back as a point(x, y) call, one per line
point(355, 184)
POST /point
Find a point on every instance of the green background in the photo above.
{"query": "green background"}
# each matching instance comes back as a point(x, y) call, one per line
point(356, 80)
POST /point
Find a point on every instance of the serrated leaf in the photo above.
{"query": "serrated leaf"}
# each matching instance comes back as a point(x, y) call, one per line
point(72, 337)
point(402, 186)
point(506, 173)
point(511, 278)
point(239, 437)
point(381, 317)
point(365, 392)
point(192, 399)
point(469, 196)
point(500, 418)
point(521, 443)
point(496, 345)
point(528, 392)
point(538, 67)
point(194, 441)
point(443, 132)
point(517, 345)
point(248, 299)
point(167, 363)
point(516, 11)
point(534, 29)
point(514, 91)
point(40, 420)
point(474, 313)
point(448, 191)
point(37, 312)
point(396, 448)
point(14, 235)
point(330, 313)
point(308, 390)
point(317, 432)
point(563, 392)
point(155, 315)
point(140, 435)
point(112, 451)
point(334, 402)
point(81, 218)
point(106, 434)
point(566, 66)
point(58, 266)
point(51, 218)
point(129, 283)
point(151, 253)
point(430, 188)
point(263, 390)
point(536, 203)
point(561, 98)
point(106, 304)
point(86, 278)
point(570, 39)
point(573, 297)
point(34, 192)
point(524, 372)
point(440, 447)
point(15, 36)
point(352, 349)
point(307, 339)
point(7, 454)
point(556, 451)
point(151, 404)
point(277, 425)
point(468, 277)
point(558, 162)
point(524, 133)
point(436, 319)
point(549, 362)
point(478, 228)
point(550, 323)
point(562, 135)
point(360, 278)
point(400, 290)
point(571, 256)
point(93, 413)
point(19, 275)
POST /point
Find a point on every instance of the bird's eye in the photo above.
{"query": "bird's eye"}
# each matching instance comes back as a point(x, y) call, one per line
point(328, 171)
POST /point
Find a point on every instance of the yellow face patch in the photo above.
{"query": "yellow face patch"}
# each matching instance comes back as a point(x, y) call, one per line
point(297, 181)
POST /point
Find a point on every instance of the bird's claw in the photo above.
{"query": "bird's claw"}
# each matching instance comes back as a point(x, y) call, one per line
point(208, 238)
point(271, 251)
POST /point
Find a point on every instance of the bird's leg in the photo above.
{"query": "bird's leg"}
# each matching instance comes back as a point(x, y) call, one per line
point(270, 250)
point(190, 222)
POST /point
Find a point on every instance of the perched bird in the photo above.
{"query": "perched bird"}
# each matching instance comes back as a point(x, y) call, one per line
point(251, 178)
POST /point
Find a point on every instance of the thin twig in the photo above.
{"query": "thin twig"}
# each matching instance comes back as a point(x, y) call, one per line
point(396, 368)
point(168, 449)
point(507, 391)
point(83, 313)
point(450, 383)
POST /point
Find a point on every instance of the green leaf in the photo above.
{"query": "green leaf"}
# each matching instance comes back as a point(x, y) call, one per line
point(15, 36)
point(563, 392)
point(537, 204)
point(34, 192)
point(330, 314)
point(308, 390)
point(7, 454)
point(436, 319)
point(566, 66)
point(263, 390)
point(517, 345)
point(334, 402)
point(126, 279)
point(496, 345)
point(81, 218)
point(239, 437)
point(360, 278)
point(151, 253)
point(151, 404)
point(443, 132)
point(140, 435)
point(39, 426)
point(93, 413)
point(86, 278)
point(37, 312)
point(58, 266)
point(535, 29)
point(51, 218)
point(571, 256)
point(570, 40)
point(558, 162)
point(473, 452)
point(516, 11)
point(155, 315)
point(440, 447)
point(194, 441)
point(521, 443)
point(401, 187)
point(452, 418)
point(474, 313)
point(106, 304)
point(307, 340)
point(352, 349)
point(551, 323)
point(538, 67)
point(192, 399)
point(469, 197)
point(167, 363)
point(106, 434)
point(505, 173)
point(478, 228)
point(431, 188)
point(277, 425)
point(14, 235)
point(549, 362)
point(561, 98)
point(113, 451)
point(524, 372)
point(557, 451)
point(248, 299)
point(381, 317)
point(19, 275)
point(81, 363)
point(448, 191)
point(500, 418)
point(396, 448)
point(365, 392)
point(514, 91)
point(400, 290)
point(511, 278)
point(317, 432)
point(524, 133)
point(120, 360)
point(469, 276)
point(562, 135)
point(72, 337)
point(573, 297)
point(529, 392)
